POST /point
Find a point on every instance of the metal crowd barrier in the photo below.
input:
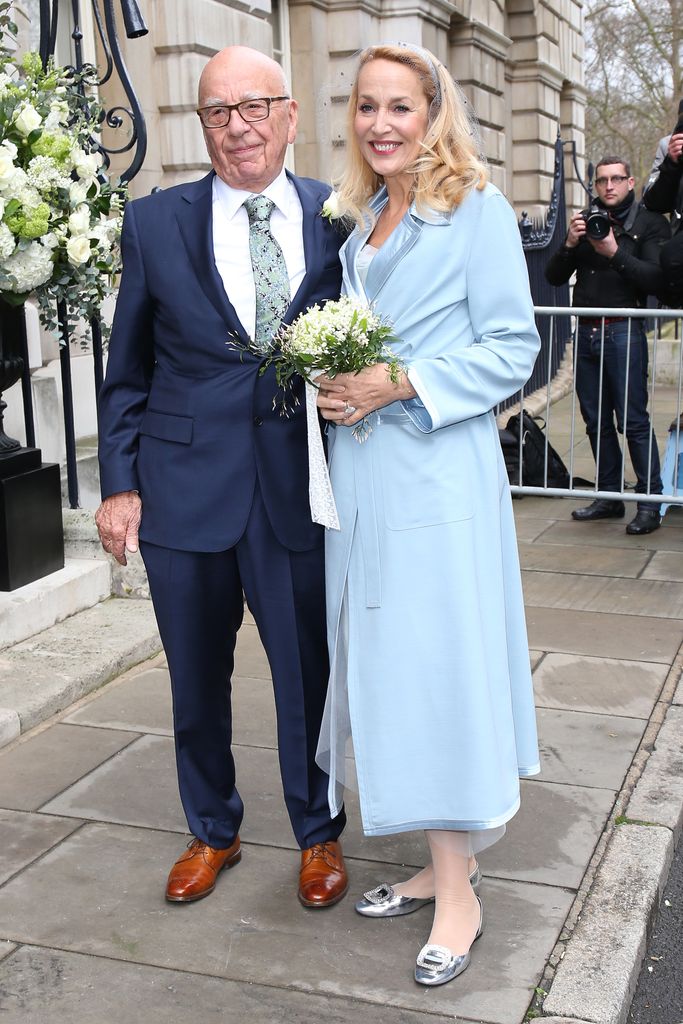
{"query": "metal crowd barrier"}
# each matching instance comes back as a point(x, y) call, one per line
point(549, 404)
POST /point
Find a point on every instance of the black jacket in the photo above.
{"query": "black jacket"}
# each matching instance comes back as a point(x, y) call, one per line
point(665, 194)
point(629, 276)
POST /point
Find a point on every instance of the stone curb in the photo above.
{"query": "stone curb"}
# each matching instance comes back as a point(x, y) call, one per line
point(597, 976)
point(48, 672)
point(658, 797)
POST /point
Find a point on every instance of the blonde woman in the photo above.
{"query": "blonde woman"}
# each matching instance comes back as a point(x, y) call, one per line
point(430, 667)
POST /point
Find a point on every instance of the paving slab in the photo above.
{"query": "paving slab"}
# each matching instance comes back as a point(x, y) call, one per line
point(600, 685)
point(586, 749)
point(597, 976)
point(664, 565)
point(552, 837)
point(250, 658)
point(137, 786)
point(575, 558)
point(603, 594)
point(533, 507)
point(40, 985)
point(35, 770)
point(5, 949)
point(529, 529)
point(47, 673)
point(632, 637)
point(658, 796)
point(142, 702)
point(80, 898)
point(611, 533)
point(139, 702)
point(26, 836)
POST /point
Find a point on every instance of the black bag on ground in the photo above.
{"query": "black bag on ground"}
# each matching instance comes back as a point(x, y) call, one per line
point(533, 454)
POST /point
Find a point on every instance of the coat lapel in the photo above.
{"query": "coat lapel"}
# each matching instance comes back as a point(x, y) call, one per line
point(195, 219)
point(311, 196)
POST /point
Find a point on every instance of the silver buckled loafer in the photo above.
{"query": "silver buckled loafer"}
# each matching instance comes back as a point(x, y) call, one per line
point(385, 902)
point(436, 965)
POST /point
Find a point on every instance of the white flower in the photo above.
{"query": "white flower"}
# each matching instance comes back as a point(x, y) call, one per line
point(78, 250)
point(79, 221)
point(28, 119)
point(44, 174)
point(7, 167)
point(330, 208)
point(85, 164)
point(58, 116)
point(30, 266)
point(50, 240)
point(78, 193)
point(5, 80)
point(7, 242)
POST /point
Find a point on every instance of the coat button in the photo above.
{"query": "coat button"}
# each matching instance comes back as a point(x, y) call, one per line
point(258, 421)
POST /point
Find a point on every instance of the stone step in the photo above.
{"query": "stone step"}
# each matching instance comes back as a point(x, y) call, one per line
point(49, 671)
point(82, 583)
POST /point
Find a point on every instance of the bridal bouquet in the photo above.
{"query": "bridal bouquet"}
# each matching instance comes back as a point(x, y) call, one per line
point(60, 220)
point(342, 336)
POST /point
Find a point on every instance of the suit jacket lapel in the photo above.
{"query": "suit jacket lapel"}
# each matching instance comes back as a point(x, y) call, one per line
point(195, 219)
point(312, 196)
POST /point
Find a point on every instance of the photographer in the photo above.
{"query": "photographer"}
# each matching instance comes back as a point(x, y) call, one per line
point(614, 249)
point(665, 195)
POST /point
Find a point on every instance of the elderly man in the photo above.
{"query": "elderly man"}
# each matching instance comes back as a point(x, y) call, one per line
point(193, 455)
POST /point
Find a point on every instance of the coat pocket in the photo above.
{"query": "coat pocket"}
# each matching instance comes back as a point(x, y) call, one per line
point(422, 483)
point(167, 427)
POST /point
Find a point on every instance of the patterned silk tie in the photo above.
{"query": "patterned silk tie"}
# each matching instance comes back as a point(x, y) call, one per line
point(271, 279)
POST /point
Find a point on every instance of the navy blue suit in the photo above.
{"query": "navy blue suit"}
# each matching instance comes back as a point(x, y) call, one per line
point(188, 421)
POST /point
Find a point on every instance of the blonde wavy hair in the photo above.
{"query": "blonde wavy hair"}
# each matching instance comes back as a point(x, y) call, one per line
point(450, 164)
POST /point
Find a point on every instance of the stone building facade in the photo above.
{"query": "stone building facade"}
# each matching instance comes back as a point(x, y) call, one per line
point(519, 63)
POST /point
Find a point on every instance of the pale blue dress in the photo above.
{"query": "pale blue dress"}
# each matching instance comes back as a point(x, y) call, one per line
point(428, 647)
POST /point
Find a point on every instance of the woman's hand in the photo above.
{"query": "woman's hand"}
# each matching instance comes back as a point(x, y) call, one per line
point(349, 397)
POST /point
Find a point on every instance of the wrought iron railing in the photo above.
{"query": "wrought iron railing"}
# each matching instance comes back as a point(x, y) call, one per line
point(116, 117)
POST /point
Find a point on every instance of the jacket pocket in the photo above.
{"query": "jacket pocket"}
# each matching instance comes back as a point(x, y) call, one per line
point(422, 483)
point(167, 427)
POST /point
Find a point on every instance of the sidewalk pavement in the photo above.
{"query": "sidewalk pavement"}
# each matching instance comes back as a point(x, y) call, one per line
point(91, 823)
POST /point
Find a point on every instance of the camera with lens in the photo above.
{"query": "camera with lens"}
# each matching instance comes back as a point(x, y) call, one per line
point(597, 222)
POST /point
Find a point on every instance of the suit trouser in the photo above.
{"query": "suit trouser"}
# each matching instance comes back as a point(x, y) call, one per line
point(198, 600)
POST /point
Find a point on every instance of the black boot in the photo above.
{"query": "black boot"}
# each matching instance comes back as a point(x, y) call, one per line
point(646, 520)
point(601, 508)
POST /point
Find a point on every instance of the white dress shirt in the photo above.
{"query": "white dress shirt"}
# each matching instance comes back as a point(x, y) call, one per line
point(231, 241)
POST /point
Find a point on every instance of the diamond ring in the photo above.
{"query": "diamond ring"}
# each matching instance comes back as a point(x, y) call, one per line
point(349, 409)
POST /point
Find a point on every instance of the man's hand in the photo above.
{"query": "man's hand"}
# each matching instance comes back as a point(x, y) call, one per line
point(606, 246)
point(118, 522)
point(675, 147)
point(577, 230)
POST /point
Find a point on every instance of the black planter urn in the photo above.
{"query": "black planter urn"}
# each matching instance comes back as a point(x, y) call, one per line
point(31, 535)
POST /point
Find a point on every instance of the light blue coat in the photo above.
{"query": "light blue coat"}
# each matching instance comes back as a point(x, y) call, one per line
point(424, 602)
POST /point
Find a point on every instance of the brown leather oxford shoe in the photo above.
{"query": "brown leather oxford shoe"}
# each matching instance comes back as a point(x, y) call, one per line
point(194, 874)
point(322, 880)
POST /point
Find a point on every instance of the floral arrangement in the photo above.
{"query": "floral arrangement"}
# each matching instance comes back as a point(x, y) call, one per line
point(60, 221)
point(342, 336)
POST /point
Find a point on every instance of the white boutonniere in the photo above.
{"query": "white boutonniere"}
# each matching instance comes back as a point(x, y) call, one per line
point(330, 208)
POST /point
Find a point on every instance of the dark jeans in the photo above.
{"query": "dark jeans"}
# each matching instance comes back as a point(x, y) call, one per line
point(631, 416)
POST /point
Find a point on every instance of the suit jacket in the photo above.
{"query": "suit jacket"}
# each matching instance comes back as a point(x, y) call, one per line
point(186, 418)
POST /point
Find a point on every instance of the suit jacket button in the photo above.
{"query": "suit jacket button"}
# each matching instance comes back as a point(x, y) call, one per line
point(258, 421)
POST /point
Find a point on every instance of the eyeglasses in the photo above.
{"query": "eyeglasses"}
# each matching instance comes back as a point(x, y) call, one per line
point(217, 116)
point(616, 178)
